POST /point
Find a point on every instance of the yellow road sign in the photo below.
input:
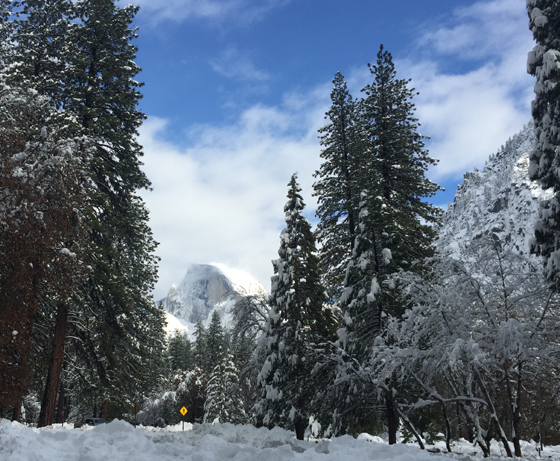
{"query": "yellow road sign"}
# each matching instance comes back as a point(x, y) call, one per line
point(183, 411)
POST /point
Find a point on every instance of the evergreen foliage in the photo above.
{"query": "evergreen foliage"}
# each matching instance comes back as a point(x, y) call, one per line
point(42, 188)
point(337, 189)
point(79, 55)
point(296, 319)
point(396, 225)
point(223, 396)
point(215, 341)
point(180, 352)
point(544, 63)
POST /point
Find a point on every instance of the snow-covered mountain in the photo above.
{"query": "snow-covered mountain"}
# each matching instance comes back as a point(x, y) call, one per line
point(500, 200)
point(207, 287)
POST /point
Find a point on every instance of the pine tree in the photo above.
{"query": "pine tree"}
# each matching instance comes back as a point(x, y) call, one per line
point(337, 189)
point(80, 54)
point(40, 57)
point(42, 185)
point(223, 394)
point(296, 319)
point(179, 351)
point(200, 349)
point(396, 226)
point(544, 63)
point(215, 342)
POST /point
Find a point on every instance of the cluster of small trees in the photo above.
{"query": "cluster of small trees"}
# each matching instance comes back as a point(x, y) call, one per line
point(214, 374)
point(77, 323)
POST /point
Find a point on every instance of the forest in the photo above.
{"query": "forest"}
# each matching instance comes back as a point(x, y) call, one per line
point(371, 324)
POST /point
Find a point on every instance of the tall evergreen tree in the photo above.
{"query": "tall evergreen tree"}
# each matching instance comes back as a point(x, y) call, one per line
point(544, 63)
point(215, 341)
point(42, 185)
point(296, 319)
point(200, 349)
point(80, 54)
point(395, 223)
point(337, 189)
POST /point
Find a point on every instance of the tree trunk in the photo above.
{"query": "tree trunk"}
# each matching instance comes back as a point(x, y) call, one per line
point(48, 403)
point(300, 427)
point(494, 416)
point(16, 415)
point(412, 429)
point(517, 415)
point(392, 418)
point(60, 405)
point(105, 410)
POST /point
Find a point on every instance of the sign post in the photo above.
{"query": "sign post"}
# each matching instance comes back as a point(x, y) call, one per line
point(183, 412)
point(135, 409)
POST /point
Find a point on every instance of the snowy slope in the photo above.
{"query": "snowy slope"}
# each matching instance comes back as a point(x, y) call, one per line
point(500, 200)
point(205, 288)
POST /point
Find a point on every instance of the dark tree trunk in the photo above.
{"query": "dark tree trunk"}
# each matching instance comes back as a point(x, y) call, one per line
point(16, 415)
point(60, 405)
point(105, 410)
point(392, 418)
point(300, 428)
point(46, 415)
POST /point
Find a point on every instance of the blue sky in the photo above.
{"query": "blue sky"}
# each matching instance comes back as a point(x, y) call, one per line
point(235, 91)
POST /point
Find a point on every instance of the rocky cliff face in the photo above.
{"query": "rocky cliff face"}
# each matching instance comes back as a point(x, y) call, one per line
point(206, 287)
point(500, 200)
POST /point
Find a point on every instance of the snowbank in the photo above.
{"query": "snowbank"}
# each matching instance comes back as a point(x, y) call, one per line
point(203, 442)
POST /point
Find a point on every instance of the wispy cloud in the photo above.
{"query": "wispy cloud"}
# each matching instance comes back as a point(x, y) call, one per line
point(235, 65)
point(234, 11)
point(469, 114)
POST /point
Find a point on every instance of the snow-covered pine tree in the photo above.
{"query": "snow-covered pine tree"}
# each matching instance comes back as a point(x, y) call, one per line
point(544, 63)
point(337, 189)
point(395, 228)
point(40, 57)
point(223, 394)
point(296, 319)
point(180, 353)
point(200, 351)
point(42, 188)
point(80, 54)
point(394, 164)
point(125, 337)
point(215, 342)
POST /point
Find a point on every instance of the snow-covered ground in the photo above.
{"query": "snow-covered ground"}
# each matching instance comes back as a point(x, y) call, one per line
point(205, 442)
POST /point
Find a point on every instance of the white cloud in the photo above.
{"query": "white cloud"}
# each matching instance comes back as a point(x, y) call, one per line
point(222, 198)
point(232, 64)
point(234, 11)
point(471, 114)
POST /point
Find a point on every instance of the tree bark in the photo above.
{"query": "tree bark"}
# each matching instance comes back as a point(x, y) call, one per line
point(300, 428)
point(60, 405)
point(53, 378)
point(105, 410)
point(392, 418)
point(16, 415)
point(517, 414)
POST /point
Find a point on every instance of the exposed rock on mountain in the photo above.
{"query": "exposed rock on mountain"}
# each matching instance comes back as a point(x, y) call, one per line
point(207, 287)
point(499, 201)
